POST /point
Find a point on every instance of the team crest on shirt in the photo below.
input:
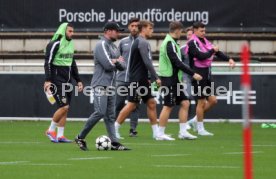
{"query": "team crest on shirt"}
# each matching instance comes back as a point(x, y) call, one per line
point(64, 100)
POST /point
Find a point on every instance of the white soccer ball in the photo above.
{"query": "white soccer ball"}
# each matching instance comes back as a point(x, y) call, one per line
point(103, 143)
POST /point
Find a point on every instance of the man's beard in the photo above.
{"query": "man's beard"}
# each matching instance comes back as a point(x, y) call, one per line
point(113, 39)
point(134, 34)
point(69, 39)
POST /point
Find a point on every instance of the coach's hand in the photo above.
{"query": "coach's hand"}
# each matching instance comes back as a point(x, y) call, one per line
point(232, 63)
point(47, 85)
point(80, 86)
point(197, 77)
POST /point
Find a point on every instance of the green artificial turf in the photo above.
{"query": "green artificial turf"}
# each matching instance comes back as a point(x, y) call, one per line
point(25, 152)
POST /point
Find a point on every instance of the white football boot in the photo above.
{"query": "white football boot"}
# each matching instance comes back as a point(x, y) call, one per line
point(164, 137)
point(186, 135)
point(204, 132)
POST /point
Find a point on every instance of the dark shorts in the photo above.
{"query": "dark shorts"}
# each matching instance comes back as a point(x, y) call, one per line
point(62, 99)
point(172, 95)
point(202, 88)
point(139, 90)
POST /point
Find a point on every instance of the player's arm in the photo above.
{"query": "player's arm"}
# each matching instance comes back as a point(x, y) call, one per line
point(176, 60)
point(224, 57)
point(50, 53)
point(75, 71)
point(183, 56)
point(121, 47)
point(76, 76)
point(103, 57)
point(119, 63)
point(147, 59)
point(195, 51)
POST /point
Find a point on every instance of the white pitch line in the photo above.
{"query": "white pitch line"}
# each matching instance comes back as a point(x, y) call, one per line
point(46, 164)
point(150, 144)
point(171, 155)
point(18, 142)
point(194, 166)
point(13, 162)
point(264, 145)
point(238, 153)
point(90, 158)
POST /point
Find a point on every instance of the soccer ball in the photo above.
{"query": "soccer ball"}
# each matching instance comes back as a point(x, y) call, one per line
point(103, 143)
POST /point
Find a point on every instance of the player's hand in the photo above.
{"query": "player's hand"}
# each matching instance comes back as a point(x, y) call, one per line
point(113, 61)
point(216, 48)
point(47, 85)
point(158, 82)
point(80, 86)
point(197, 77)
point(232, 63)
point(121, 59)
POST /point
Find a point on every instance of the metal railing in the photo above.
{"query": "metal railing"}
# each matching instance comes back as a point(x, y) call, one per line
point(257, 67)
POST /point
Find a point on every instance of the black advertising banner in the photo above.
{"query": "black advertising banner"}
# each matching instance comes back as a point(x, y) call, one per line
point(23, 96)
point(90, 15)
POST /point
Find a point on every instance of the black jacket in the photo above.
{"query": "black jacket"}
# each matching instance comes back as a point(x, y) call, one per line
point(194, 52)
point(140, 62)
point(177, 64)
point(58, 74)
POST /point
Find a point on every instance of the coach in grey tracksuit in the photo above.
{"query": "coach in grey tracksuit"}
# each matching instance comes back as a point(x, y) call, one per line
point(107, 62)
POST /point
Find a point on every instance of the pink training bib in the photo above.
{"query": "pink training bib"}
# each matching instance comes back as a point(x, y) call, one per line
point(203, 48)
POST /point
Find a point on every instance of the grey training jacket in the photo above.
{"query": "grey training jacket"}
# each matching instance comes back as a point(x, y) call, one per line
point(105, 70)
point(124, 47)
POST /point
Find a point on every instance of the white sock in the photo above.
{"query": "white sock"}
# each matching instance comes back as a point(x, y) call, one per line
point(155, 129)
point(200, 126)
point(60, 132)
point(183, 127)
point(162, 130)
point(117, 126)
point(194, 119)
point(52, 126)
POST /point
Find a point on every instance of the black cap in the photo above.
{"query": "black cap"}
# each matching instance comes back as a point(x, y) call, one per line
point(113, 26)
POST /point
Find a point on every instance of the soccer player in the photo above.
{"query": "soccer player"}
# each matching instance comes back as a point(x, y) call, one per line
point(122, 76)
point(60, 67)
point(187, 79)
point(107, 62)
point(189, 32)
point(171, 70)
point(201, 53)
point(141, 71)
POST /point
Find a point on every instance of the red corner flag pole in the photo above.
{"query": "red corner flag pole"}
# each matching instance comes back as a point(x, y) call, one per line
point(247, 143)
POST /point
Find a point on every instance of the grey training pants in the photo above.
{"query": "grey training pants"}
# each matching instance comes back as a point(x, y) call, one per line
point(104, 107)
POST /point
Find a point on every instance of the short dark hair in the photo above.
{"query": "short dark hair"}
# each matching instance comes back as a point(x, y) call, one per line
point(189, 29)
point(197, 25)
point(175, 25)
point(111, 25)
point(133, 20)
point(144, 23)
point(70, 25)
